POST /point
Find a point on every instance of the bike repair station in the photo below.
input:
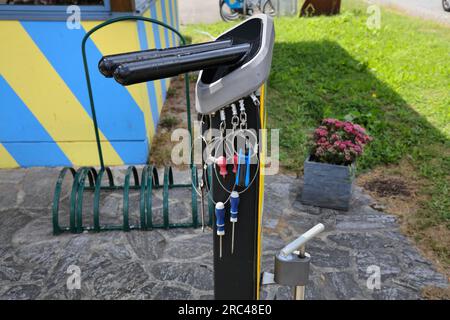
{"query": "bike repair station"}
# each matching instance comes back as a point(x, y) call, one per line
point(230, 103)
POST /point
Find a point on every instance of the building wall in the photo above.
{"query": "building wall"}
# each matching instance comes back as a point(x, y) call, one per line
point(45, 116)
point(199, 11)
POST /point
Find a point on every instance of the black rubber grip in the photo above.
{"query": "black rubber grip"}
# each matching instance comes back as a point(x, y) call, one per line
point(109, 63)
point(148, 70)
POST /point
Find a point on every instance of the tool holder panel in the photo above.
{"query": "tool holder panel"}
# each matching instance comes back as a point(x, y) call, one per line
point(233, 271)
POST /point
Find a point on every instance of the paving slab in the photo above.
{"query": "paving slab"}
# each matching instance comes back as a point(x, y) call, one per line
point(177, 263)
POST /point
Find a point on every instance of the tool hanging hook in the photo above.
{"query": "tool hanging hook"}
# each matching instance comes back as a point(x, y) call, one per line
point(235, 118)
point(242, 115)
point(223, 124)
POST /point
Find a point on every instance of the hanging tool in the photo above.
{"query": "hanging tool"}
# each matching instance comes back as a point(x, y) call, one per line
point(220, 224)
point(202, 203)
point(241, 158)
point(235, 163)
point(234, 201)
point(240, 175)
point(222, 128)
point(202, 182)
point(234, 124)
point(222, 163)
point(247, 169)
point(238, 171)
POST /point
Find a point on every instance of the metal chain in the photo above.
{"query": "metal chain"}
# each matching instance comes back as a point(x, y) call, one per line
point(242, 115)
point(255, 100)
point(235, 118)
point(222, 121)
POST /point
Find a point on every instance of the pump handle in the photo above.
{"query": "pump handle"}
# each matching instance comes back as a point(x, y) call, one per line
point(302, 240)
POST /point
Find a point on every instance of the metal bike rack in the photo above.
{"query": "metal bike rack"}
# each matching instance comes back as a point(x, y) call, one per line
point(90, 179)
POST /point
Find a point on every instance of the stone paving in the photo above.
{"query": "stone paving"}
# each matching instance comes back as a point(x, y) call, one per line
point(177, 263)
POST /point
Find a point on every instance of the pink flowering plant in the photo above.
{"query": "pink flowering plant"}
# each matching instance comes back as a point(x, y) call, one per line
point(338, 142)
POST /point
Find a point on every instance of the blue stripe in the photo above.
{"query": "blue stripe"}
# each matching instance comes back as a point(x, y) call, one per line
point(119, 117)
point(172, 23)
point(151, 84)
point(23, 135)
point(176, 10)
point(154, 15)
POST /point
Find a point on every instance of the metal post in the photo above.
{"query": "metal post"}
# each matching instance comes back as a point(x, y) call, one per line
point(299, 291)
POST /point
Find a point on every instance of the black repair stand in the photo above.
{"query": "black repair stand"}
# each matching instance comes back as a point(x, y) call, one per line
point(236, 275)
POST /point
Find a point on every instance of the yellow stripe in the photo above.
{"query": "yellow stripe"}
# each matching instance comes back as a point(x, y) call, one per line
point(175, 16)
point(162, 39)
point(149, 27)
point(159, 88)
point(149, 31)
point(166, 4)
point(51, 101)
point(118, 38)
point(6, 160)
point(175, 9)
point(167, 13)
point(261, 190)
point(159, 16)
point(152, 44)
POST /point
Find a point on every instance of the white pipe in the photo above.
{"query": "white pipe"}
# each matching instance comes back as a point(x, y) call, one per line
point(302, 240)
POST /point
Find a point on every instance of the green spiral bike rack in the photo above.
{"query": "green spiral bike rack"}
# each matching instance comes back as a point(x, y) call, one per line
point(89, 179)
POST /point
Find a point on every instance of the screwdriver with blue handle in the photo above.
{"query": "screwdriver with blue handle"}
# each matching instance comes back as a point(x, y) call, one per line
point(234, 201)
point(241, 168)
point(247, 169)
point(220, 224)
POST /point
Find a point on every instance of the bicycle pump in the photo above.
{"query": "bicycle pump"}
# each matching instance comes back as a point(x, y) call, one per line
point(234, 69)
point(292, 264)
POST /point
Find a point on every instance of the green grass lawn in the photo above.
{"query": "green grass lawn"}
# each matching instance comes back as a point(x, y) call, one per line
point(394, 81)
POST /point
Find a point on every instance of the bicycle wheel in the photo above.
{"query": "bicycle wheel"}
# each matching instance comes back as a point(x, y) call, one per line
point(269, 8)
point(226, 13)
point(446, 5)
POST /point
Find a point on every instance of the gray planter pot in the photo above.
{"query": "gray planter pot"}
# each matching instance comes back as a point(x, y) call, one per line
point(327, 185)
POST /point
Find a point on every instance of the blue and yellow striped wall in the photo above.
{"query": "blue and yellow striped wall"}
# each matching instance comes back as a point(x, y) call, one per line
point(45, 117)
